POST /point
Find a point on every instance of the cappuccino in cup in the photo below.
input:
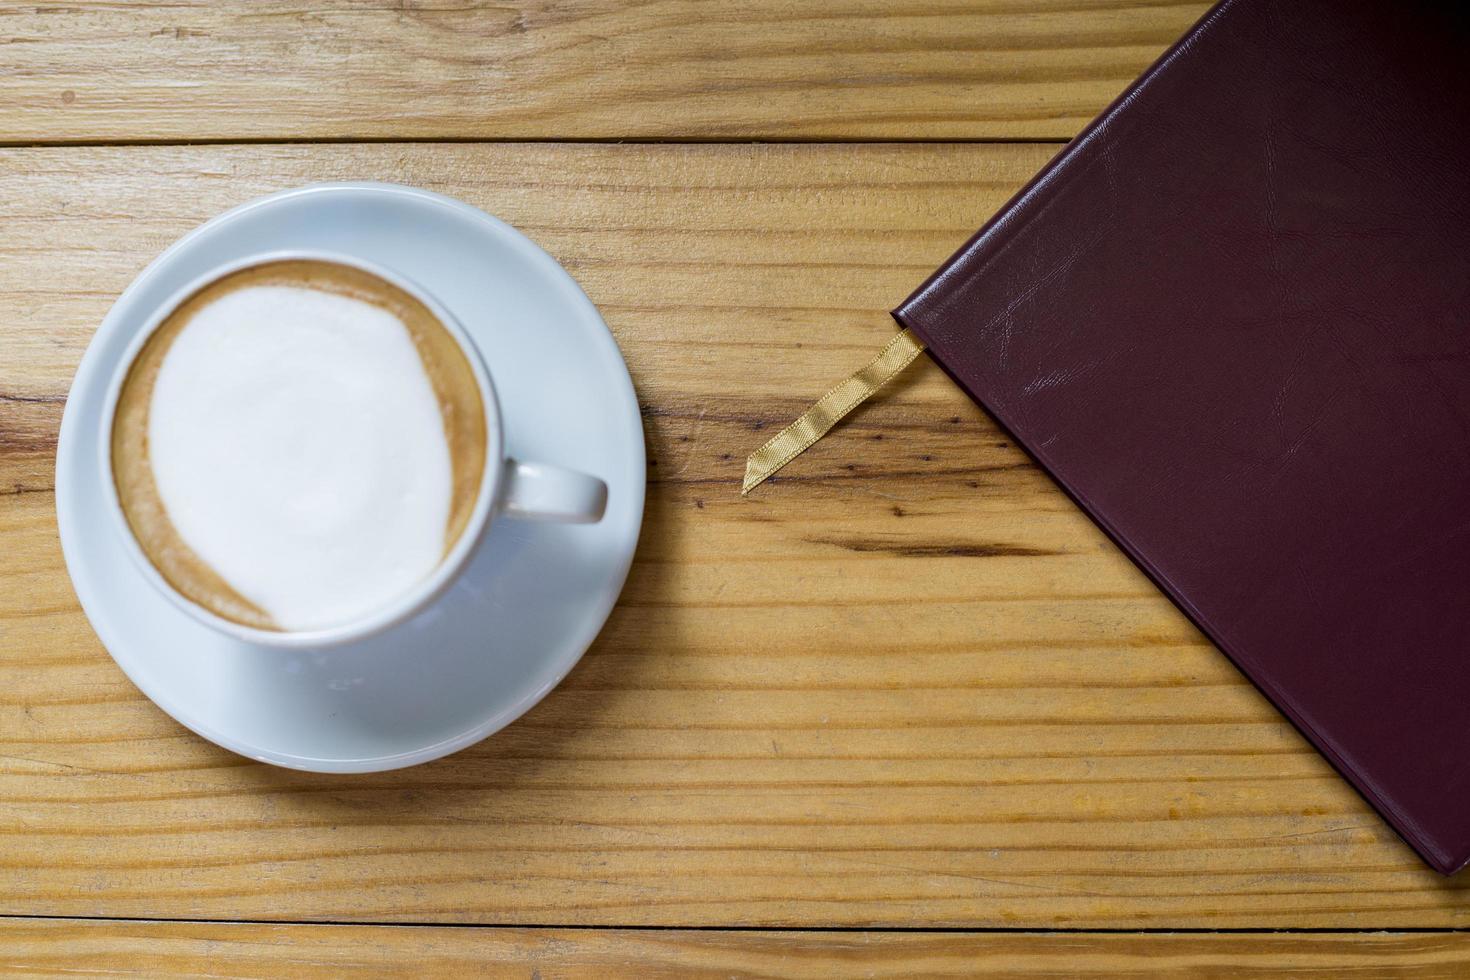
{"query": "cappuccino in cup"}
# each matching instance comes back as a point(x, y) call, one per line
point(298, 444)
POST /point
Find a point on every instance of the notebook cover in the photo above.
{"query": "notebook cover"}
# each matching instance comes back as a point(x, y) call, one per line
point(1230, 319)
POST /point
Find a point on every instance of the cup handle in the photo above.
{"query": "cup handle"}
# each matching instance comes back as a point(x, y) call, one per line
point(543, 492)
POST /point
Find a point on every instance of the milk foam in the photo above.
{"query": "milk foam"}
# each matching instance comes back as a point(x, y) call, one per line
point(299, 449)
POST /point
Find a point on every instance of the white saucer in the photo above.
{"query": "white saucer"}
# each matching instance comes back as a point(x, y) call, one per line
point(533, 598)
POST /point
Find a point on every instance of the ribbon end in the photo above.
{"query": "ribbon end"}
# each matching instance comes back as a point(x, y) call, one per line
point(818, 420)
point(753, 477)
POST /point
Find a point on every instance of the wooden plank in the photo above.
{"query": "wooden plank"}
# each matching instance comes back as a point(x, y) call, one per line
point(283, 69)
point(907, 684)
point(63, 948)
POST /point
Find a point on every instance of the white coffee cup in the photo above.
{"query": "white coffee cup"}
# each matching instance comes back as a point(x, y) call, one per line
point(510, 487)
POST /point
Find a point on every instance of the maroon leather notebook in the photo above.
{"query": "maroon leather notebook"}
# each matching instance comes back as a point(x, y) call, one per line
point(1232, 319)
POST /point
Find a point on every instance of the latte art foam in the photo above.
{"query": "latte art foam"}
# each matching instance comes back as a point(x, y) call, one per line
point(305, 447)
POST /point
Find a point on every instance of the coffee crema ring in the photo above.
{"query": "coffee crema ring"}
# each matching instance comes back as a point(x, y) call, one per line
point(444, 362)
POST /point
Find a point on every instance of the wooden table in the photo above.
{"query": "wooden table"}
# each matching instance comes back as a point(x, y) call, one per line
point(903, 711)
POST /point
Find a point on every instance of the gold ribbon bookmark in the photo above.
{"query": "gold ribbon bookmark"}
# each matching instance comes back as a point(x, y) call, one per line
point(818, 420)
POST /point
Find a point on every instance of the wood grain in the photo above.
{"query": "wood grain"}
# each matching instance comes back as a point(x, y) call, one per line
point(907, 684)
point(601, 69)
point(62, 948)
